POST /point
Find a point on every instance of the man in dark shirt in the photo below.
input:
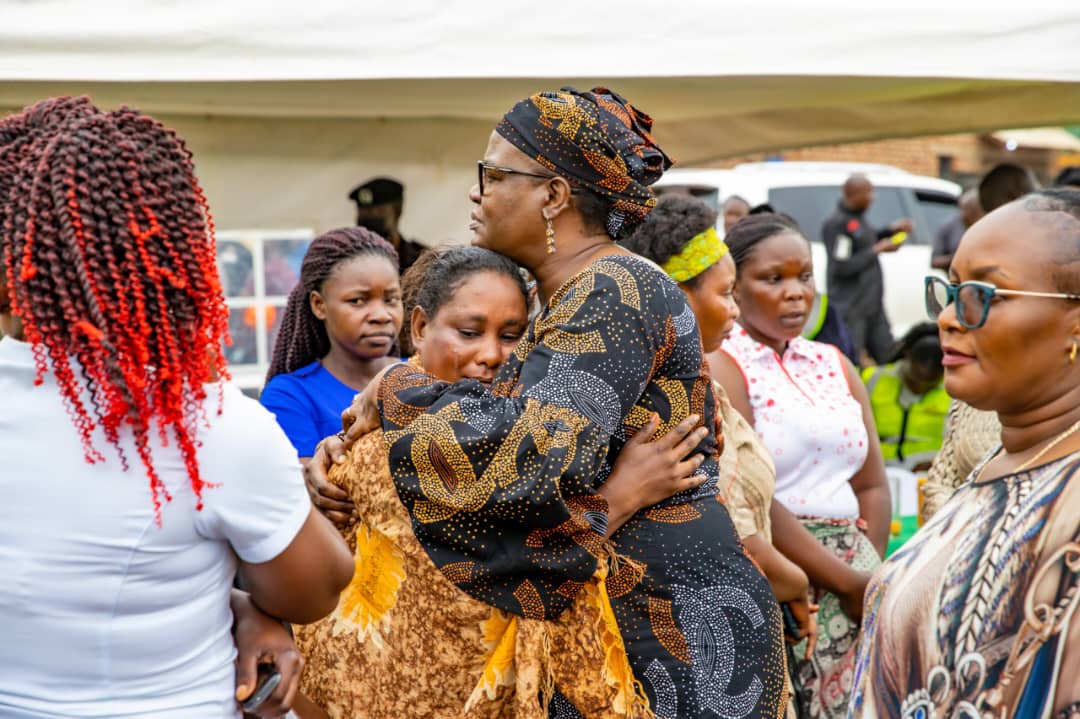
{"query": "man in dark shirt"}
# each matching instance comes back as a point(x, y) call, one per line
point(854, 278)
point(379, 202)
point(948, 237)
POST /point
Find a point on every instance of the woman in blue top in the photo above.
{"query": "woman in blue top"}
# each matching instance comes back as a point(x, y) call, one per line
point(340, 325)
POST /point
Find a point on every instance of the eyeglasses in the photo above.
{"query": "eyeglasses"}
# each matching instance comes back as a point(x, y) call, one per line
point(972, 299)
point(483, 168)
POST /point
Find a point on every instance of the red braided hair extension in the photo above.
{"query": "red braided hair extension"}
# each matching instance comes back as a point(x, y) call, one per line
point(109, 256)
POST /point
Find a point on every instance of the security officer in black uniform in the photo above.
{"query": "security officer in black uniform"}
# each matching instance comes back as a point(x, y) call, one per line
point(855, 282)
point(378, 208)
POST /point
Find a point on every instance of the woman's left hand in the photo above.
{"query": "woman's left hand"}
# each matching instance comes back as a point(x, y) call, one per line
point(261, 639)
point(362, 416)
point(648, 471)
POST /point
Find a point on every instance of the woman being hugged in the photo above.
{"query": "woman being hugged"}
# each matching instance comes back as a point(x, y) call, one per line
point(976, 614)
point(340, 326)
point(806, 401)
point(502, 483)
point(137, 483)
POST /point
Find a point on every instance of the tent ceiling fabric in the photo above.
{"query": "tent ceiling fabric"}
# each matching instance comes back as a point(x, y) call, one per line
point(721, 80)
point(289, 104)
point(698, 119)
point(245, 40)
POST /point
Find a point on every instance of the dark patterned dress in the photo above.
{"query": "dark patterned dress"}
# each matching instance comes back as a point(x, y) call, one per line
point(501, 486)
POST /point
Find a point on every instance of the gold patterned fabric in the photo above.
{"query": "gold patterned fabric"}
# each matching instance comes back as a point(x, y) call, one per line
point(501, 486)
point(404, 641)
point(597, 140)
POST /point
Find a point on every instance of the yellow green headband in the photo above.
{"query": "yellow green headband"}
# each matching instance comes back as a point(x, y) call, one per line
point(700, 253)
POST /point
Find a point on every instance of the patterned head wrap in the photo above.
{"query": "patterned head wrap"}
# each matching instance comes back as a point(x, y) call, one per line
point(596, 140)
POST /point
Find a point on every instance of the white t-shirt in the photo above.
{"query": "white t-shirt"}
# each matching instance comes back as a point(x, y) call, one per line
point(103, 613)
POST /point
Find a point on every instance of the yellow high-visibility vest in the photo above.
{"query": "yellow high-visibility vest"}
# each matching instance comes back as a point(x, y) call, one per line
point(911, 427)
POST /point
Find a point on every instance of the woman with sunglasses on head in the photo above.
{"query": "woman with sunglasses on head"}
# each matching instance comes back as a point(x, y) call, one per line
point(506, 485)
point(976, 615)
point(831, 509)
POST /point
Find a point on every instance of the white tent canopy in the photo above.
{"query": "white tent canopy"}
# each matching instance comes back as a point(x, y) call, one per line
point(287, 105)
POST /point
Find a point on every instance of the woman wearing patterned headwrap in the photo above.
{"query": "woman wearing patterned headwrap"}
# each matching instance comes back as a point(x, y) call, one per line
point(502, 483)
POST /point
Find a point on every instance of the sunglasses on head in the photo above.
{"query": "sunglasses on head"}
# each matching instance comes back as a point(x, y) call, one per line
point(972, 299)
point(483, 168)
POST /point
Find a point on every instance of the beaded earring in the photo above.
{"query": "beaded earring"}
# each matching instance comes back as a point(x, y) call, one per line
point(550, 234)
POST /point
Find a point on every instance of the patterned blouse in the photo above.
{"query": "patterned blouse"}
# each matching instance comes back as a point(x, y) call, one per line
point(971, 618)
point(750, 472)
point(806, 416)
point(501, 486)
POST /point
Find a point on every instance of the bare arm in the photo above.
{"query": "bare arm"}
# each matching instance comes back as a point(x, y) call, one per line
point(869, 483)
point(725, 371)
point(262, 639)
point(822, 567)
point(788, 581)
point(302, 584)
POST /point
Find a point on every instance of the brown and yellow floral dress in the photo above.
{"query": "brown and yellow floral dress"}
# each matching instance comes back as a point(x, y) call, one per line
point(404, 641)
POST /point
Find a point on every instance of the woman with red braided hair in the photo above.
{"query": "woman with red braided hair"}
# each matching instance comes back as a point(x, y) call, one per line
point(162, 482)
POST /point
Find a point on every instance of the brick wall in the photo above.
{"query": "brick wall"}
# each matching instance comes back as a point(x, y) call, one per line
point(970, 154)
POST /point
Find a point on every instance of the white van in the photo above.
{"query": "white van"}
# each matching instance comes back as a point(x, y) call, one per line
point(809, 191)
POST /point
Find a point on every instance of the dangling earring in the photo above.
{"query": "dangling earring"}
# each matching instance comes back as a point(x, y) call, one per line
point(550, 234)
point(1072, 354)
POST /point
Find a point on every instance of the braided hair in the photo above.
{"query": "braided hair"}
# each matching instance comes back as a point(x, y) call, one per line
point(302, 338)
point(108, 252)
point(746, 234)
point(437, 274)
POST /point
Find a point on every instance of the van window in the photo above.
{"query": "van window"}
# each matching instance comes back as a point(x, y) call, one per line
point(937, 208)
point(811, 206)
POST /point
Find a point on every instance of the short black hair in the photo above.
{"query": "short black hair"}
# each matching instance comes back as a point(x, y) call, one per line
point(671, 225)
point(920, 340)
point(593, 207)
point(437, 274)
point(1069, 177)
point(1003, 184)
point(1066, 256)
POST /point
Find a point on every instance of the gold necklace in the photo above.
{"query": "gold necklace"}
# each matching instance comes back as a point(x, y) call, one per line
point(1053, 443)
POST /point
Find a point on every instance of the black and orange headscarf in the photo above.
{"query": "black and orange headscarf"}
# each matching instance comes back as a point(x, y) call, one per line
point(596, 140)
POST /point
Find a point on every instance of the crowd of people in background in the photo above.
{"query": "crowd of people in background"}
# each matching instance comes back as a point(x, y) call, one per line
point(617, 458)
